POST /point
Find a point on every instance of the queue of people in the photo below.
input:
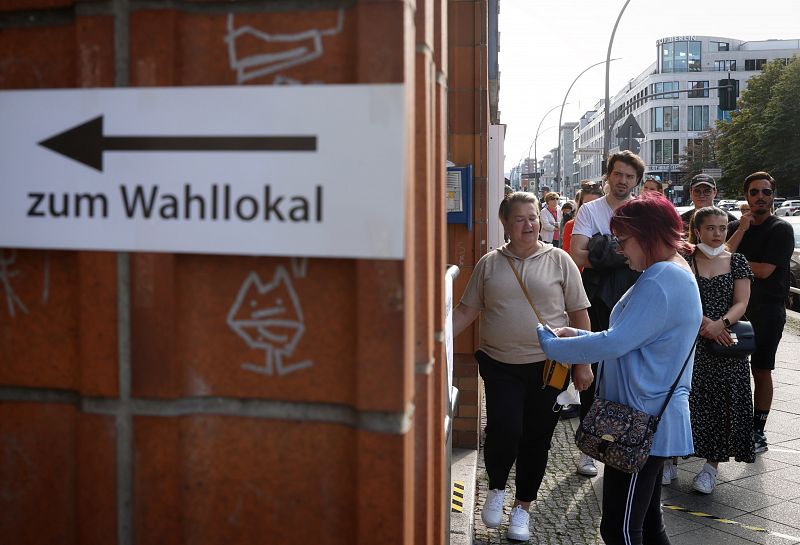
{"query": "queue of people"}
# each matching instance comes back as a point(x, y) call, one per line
point(591, 305)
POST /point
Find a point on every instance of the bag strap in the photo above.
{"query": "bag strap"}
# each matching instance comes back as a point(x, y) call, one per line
point(524, 289)
point(694, 266)
point(674, 384)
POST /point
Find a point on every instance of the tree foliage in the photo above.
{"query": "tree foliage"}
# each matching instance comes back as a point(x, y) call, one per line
point(764, 132)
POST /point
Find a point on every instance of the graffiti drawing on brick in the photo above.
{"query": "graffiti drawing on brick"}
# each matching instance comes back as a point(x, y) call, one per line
point(7, 260)
point(268, 317)
point(269, 53)
point(299, 267)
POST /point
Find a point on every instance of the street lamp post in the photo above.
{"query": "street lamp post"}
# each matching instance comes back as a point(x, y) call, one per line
point(561, 114)
point(606, 127)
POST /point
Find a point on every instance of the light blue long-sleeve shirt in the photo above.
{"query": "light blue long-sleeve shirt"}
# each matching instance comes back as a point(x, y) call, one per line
point(652, 329)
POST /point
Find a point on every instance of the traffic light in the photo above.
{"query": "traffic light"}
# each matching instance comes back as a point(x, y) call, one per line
point(728, 93)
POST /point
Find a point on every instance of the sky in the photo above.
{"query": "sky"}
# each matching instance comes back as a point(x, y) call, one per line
point(545, 44)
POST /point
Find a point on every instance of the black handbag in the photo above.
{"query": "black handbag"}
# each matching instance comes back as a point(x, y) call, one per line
point(619, 435)
point(744, 342)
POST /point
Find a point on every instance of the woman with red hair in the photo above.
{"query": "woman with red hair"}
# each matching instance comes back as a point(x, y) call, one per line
point(651, 332)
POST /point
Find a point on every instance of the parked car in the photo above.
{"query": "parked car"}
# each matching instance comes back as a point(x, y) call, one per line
point(793, 301)
point(788, 208)
point(726, 204)
point(778, 201)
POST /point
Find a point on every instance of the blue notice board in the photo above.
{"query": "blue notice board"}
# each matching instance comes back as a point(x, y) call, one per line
point(459, 195)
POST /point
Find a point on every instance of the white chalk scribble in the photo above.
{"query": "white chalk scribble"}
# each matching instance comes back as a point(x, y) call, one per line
point(7, 260)
point(285, 50)
point(299, 267)
point(269, 317)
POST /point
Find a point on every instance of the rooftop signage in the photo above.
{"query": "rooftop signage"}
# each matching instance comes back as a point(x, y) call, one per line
point(676, 39)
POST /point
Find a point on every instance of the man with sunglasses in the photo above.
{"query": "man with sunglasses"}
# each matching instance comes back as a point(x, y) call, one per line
point(767, 242)
point(703, 191)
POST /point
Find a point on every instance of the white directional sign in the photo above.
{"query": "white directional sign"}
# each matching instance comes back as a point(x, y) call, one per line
point(264, 170)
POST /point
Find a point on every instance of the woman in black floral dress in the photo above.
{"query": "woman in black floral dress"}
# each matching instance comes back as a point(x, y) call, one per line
point(721, 402)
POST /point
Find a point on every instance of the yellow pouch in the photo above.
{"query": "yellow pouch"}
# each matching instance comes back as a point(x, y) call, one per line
point(555, 374)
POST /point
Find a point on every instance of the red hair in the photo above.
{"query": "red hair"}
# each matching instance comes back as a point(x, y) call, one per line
point(653, 222)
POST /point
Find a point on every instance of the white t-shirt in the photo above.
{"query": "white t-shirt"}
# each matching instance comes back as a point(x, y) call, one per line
point(592, 218)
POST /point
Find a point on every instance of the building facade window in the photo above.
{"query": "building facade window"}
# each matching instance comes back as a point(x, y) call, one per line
point(699, 89)
point(719, 46)
point(665, 152)
point(695, 57)
point(754, 64)
point(725, 66)
point(723, 115)
point(666, 118)
point(696, 118)
point(665, 87)
point(680, 56)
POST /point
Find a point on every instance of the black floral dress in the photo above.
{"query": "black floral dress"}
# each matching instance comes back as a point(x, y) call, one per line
point(721, 402)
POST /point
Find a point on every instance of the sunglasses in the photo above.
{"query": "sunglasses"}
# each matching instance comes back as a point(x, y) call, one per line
point(590, 185)
point(753, 192)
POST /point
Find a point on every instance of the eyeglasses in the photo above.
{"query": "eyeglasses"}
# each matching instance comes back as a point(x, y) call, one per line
point(699, 191)
point(753, 192)
point(621, 242)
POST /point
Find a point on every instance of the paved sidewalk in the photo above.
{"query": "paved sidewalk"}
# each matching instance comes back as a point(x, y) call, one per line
point(567, 511)
point(753, 503)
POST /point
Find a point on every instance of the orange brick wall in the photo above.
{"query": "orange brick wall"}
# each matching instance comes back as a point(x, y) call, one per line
point(468, 136)
point(130, 410)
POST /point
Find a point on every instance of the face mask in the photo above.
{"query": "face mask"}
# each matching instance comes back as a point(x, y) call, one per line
point(709, 251)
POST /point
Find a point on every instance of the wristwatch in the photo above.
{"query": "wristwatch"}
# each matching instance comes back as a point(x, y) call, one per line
point(726, 322)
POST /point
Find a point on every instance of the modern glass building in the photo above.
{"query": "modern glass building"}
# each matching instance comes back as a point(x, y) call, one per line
point(672, 101)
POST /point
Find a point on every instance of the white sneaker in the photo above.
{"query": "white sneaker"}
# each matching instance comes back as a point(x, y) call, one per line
point(706, 480)
point(586, 466)
point(492, 513)
point(518, 524)
point(670, 473)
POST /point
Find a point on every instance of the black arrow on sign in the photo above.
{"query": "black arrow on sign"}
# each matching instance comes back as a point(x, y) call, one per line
point(85, 143)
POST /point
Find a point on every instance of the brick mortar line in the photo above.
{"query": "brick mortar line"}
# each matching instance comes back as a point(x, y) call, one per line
point(123, 416)
point(375, 421)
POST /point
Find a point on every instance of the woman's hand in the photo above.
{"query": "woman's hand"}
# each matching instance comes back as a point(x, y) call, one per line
point(566, 331)
point(582, 376)
point(724, 338)
point(711, 329)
